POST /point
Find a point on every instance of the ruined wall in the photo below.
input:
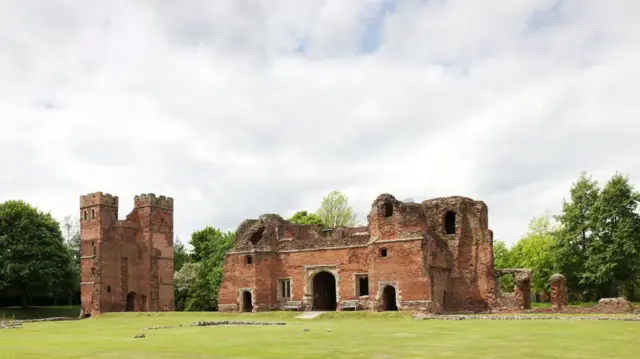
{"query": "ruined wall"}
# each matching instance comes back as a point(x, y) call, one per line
point(402, 268)
point(433, 265)
point(131, 257)
point(463, 224)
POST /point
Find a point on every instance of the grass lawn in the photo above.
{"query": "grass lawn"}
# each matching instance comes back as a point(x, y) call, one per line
point(352, 335)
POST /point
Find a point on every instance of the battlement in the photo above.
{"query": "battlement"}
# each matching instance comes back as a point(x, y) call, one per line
point(98, 198)
point(151, 200)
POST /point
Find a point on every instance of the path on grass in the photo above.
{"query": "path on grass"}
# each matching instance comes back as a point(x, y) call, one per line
point(309, 315)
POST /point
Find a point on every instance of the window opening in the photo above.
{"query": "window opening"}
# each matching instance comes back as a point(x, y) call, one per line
point(285, 288)
point(383, 252)
point(388, 210)
point(450, 223)
point(363, 285)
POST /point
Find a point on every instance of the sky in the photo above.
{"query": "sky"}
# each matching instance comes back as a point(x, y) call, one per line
point(238, 108)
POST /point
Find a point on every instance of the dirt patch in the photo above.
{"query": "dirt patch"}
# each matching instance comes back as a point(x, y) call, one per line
point(214, 323)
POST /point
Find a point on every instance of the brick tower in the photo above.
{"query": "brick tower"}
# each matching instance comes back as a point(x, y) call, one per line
point(127, 265)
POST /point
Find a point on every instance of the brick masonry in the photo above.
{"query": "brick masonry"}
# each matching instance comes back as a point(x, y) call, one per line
point(127, 265)
point(559, 300)
point(433, 256)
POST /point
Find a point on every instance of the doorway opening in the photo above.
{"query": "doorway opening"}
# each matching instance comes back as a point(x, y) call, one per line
point(131, 297)
point(324, 292)
point(247, 305)
point(389, 298)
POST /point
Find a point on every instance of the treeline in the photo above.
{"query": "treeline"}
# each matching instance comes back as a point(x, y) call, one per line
point(38, 266)
point(594, 242)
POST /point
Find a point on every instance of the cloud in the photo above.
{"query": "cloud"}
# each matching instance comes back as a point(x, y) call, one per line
point(238, 108)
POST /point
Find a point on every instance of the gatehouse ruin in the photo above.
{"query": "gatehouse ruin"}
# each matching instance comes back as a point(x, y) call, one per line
point(435, 256)
point(127, 265)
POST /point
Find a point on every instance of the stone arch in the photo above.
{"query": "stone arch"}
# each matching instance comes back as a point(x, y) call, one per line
point(246, 302)
point(389, 298)
point(245, 294)
point(324, 291)
point(380, 296)
point(310, 275)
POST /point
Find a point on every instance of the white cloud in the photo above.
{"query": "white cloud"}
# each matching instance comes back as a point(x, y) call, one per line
point(237, 108)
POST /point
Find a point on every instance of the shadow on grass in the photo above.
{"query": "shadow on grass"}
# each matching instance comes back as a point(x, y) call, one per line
point(18, 313)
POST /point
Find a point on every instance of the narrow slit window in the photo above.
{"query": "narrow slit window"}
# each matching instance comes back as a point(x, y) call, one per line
point(93, 213)
point(450, 223)
point(383, 252)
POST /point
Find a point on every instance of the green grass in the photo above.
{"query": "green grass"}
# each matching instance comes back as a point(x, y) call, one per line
point(10, 313)
point(352, 335)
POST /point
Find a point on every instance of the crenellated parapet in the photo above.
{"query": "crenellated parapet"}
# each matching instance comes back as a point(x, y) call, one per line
point(98, 198)
point(151, 200)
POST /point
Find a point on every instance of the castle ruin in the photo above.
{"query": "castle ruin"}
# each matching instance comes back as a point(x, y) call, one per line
point(127, 265)
point(436, 256)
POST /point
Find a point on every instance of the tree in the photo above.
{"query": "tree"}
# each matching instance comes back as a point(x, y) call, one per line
point(180, 255)
point(184, 280)
point(575, 235)
point(33, 257)
point(612, 256)
point(303, 217)
point(210, 246)
point(534, 251)
point(502, 259)
point(335, 211)
point(71, 229)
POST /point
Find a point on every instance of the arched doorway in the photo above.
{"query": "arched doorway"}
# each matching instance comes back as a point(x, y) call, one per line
point(247, 305)
point(131, 297)
point(389, 298)
point(324, 291)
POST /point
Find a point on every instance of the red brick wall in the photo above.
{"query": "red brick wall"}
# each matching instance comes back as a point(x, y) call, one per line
point(134, 255)
point(428, 267)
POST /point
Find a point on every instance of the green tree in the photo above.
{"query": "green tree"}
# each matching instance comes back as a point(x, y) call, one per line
point(575, 235)
point(184, 281)
point(303, 217)
point(534, 251)
point(180, 255)
point(612, 257)
point(335, 211)
point(73, 241)
point(33, 256)
point(502, 259)
point(210, 246)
